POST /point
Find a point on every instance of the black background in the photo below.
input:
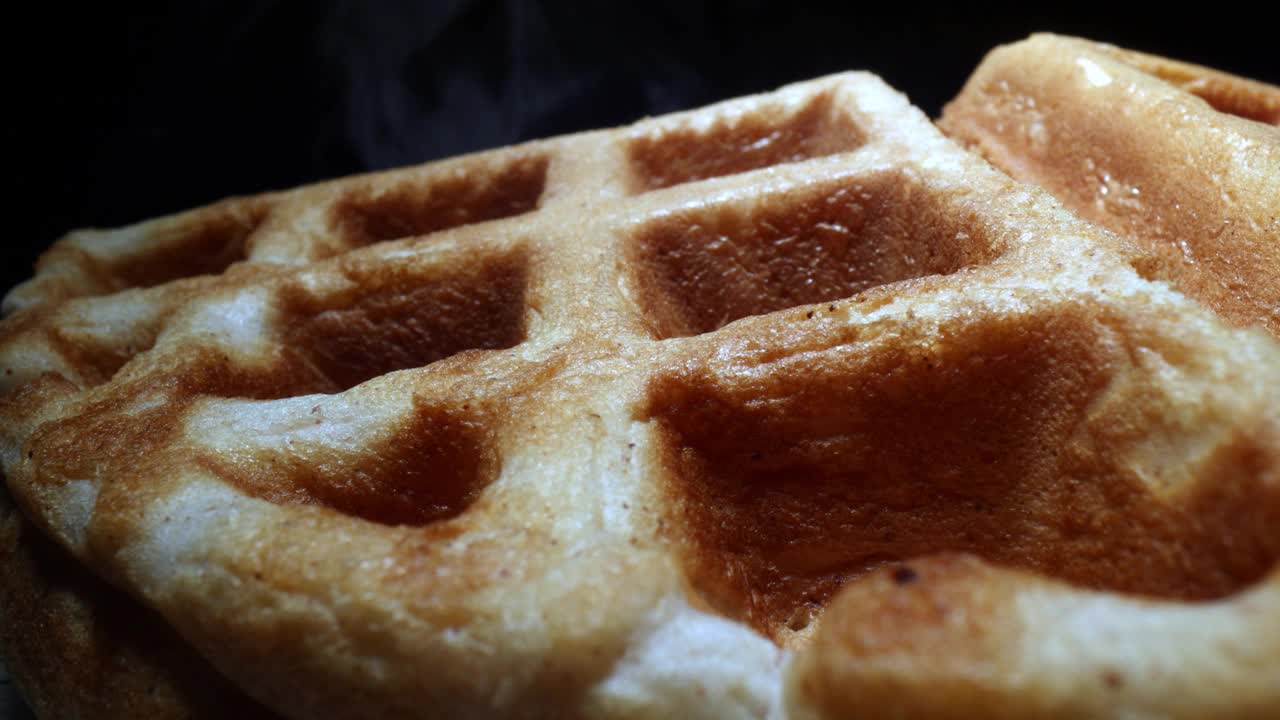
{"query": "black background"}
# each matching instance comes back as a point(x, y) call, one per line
point(144, 111)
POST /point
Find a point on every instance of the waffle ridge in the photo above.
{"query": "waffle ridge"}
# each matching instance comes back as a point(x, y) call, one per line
point(784, 407)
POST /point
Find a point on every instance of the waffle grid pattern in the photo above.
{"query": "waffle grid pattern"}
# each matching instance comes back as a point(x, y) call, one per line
point(545, 418)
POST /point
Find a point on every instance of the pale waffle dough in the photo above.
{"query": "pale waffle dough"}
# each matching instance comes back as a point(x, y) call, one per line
point(785, 407)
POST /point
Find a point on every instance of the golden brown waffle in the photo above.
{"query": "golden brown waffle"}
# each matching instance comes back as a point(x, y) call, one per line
point(84, 650)
point(1180, 159)
point(786, 407)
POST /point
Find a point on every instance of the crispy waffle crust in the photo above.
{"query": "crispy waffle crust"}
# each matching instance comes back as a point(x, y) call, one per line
point(1179, 159)
point(84, 650)
point(786, 407)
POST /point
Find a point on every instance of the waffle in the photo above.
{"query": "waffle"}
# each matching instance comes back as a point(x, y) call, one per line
point(1174, 157)
point(785, 407)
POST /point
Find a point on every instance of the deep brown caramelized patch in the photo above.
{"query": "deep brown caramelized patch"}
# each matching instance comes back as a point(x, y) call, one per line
point(741, 144)
point(431, 468)
point(699, 270)
point(418, 206)
point(399, 316)
point(792, 485)
point(205, 244)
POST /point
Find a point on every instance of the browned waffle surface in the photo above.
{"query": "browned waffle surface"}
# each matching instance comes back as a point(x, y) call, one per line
point(1180, 159)
point(80, 648)
point(786, 407)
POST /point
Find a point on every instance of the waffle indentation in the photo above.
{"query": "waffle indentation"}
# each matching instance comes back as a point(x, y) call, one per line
point(472, 193)
point(203, 242)
point(988, 442)
point(1224, 93)
point(698, 270)
point(769, 137)
point(387, 317)
point(432, 468)
point(1231, 98)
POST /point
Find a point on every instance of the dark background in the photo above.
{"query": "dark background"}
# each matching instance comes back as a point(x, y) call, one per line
point(141, 112)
